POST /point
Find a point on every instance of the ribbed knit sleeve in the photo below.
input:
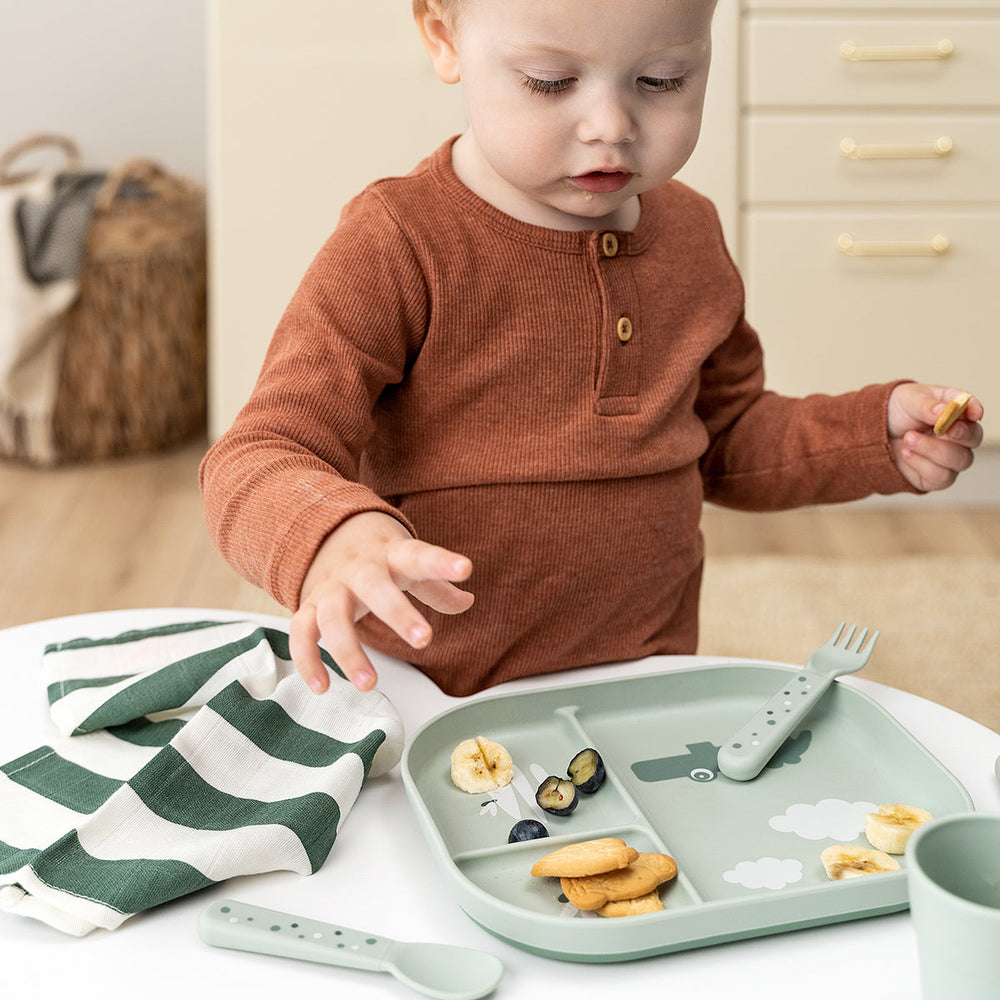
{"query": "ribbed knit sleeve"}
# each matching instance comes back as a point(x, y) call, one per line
point(286, 473)
point(773, 452)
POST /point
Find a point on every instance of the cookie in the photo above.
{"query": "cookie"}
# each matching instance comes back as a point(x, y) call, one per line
point(951, 413)
point(641, 876)
point(650, 903)
point(591, 857)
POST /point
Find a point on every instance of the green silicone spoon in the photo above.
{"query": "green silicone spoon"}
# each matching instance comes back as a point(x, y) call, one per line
point(443, 971)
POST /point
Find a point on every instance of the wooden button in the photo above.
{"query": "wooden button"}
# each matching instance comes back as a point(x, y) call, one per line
point(625, 329)
point(609, 245)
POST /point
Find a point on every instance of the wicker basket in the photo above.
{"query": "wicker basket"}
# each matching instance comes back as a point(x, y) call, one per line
point(133, 373)
point(132, 363)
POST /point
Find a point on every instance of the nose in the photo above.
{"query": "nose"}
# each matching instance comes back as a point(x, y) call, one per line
point(607, 119)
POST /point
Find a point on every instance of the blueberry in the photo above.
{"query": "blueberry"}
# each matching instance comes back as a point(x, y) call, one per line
point(557, 796)
point(526, 829)
point(586, 770)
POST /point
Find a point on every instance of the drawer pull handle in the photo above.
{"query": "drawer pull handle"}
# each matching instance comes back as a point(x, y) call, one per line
point(933, 247)
point(896, 151)
point(896, 53)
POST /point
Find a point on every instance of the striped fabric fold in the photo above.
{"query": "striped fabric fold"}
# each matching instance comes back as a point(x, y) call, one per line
point(188, 754)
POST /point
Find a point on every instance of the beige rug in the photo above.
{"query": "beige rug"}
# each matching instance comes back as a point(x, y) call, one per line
point(939, 619)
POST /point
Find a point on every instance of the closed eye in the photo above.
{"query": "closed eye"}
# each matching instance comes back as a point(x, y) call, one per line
point(537, 86)
point(662, 85)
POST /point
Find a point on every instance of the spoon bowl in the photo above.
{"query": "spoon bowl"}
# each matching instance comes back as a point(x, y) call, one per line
point(444, 971)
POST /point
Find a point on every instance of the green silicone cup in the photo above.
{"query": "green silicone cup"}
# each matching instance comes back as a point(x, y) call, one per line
point(954, 884)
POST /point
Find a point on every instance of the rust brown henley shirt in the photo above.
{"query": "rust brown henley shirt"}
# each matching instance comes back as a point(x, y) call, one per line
point(554, 405)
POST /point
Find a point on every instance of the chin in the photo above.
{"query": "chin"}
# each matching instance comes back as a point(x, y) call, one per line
point(597, 213)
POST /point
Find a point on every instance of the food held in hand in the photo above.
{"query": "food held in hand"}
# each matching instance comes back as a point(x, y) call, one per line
point(557, 796)
point(481, 765)
point(951, 413)
point(890, 828)
point(849, 861)
point(526, 829)
point(586, 771)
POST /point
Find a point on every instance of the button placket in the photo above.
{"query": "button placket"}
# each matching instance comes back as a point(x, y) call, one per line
point(617, 377)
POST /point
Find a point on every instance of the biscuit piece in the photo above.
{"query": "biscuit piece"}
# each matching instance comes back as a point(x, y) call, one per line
point(591, 857)
point(650, 903)
point(951, 413)
point(641, 877)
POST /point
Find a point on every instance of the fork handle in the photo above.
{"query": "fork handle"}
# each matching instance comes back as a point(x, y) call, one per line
point(745, 754)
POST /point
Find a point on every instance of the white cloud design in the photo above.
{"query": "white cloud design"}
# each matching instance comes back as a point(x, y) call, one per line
point(765, 873)
point(829, 818)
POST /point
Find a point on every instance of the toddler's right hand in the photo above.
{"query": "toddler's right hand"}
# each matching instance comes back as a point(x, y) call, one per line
point(370, 563)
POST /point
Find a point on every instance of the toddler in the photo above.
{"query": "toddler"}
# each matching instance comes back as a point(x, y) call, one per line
point(524, 366)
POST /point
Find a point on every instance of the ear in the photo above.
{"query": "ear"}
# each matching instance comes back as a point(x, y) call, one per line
point(439, 41)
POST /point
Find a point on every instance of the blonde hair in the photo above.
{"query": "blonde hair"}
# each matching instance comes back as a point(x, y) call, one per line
point(448, 9)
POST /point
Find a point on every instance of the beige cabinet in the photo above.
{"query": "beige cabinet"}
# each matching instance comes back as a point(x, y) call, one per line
point(869, 191)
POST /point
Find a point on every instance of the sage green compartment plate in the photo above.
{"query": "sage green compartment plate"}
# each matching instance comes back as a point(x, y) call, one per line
point(748, 853)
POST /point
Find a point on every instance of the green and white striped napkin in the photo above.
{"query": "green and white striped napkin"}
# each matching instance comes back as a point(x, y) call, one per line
point(188, 754)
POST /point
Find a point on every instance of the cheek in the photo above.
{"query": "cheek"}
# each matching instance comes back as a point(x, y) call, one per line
point(677, 138)
point(517, 144)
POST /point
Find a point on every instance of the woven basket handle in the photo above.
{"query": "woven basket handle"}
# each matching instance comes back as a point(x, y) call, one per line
point(158, 181)
point(38, 141)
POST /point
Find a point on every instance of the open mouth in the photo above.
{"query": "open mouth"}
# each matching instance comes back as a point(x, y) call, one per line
point(602, 181)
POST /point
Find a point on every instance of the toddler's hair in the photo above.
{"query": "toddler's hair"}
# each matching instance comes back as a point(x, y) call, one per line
point(448, 8)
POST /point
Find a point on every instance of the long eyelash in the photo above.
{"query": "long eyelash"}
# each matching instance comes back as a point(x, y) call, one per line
point(537, 86)
point(664, 85)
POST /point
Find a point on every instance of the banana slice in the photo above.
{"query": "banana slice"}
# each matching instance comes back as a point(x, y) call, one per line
point(889, 829)
point(849, 861)
point(481, 765)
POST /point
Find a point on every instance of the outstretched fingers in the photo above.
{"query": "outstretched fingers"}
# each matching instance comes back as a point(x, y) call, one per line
point(429, 572)
point(375, 579)
point(303, 645)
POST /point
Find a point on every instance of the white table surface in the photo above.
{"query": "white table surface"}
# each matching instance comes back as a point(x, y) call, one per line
point(381, 877)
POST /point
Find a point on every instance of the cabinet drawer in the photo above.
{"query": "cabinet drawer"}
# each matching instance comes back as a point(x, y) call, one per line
point(793, 63)
point(831, 322)
point(862, 5)
point(872, 158)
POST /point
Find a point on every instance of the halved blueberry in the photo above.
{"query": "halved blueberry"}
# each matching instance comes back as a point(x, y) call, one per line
point(586, 770)
point(526, 829)
point(557, 796)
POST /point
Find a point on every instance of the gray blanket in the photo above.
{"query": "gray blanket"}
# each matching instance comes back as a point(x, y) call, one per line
point(53, 233)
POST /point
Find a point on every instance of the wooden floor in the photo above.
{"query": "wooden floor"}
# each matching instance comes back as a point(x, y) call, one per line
point(130, 533)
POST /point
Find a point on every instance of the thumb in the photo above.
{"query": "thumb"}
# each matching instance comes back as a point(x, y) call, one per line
point(914, 407)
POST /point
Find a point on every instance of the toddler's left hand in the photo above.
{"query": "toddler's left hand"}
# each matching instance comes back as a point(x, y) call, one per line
point(926, 461)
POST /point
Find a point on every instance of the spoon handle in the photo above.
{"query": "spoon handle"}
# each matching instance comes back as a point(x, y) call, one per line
point(227, 923)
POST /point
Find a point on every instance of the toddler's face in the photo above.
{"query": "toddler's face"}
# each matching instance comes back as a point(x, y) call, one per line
point(578, 106)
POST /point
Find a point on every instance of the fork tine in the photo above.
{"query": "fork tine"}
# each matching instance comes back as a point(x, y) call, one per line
point(871, 643)
point(836, 634)
point(861, 640)
point(850, 636)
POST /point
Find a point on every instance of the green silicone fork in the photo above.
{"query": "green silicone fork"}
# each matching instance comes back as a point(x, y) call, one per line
point(745, 755)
